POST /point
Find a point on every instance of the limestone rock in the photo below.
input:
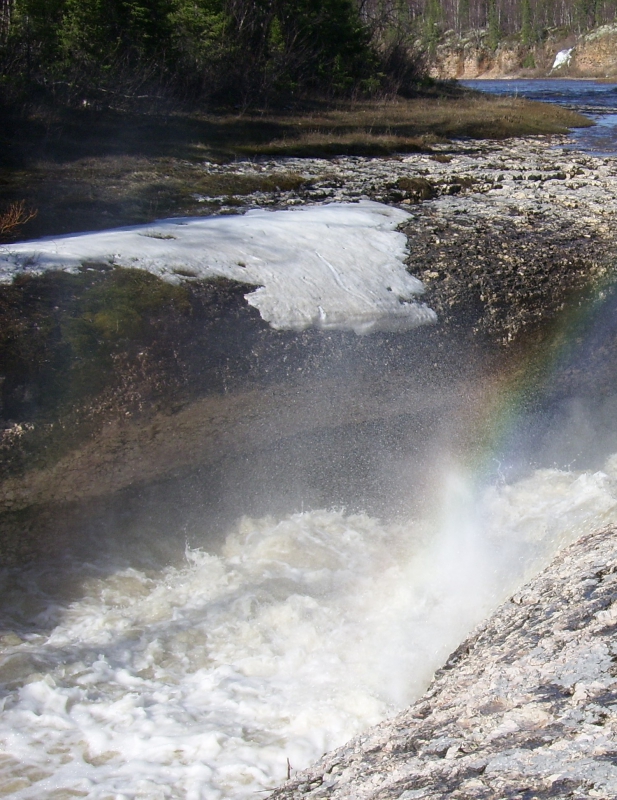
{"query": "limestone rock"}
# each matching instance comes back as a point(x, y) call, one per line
point(525, 708)
point(502, 234)
point(469, 56)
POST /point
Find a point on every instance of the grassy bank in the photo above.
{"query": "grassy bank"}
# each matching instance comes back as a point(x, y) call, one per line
point(87, 171)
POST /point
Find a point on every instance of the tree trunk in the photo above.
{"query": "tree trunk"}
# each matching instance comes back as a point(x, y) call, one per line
point(6, 8)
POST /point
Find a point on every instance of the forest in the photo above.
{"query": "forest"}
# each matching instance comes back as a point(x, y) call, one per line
point(247, 53)
point(529, 20)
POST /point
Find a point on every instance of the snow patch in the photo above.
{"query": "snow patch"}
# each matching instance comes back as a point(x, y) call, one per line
point(562, 59)
point(337, 266)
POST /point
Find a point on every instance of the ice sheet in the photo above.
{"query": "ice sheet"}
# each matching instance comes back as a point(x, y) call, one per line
point(340, 265)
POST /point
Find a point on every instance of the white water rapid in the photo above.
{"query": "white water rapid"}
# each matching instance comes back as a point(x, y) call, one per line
point(213, 674)
point(214, 677)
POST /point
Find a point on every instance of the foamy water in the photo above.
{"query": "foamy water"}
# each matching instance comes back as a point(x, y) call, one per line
point(212, 678)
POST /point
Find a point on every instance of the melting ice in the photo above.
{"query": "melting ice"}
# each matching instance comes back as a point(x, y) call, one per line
point(205, 679)
point(335, 266)
point(210, 679)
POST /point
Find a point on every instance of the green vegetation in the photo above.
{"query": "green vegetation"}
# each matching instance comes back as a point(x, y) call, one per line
point(61, 333)
point(528, 34)
point(247, 54)
point(494, 25)
point(87, 171)
point(424, 22)
point(233, 52)
point(528, 20)
point(107, 343)
point(529, 62)
point(114, 112)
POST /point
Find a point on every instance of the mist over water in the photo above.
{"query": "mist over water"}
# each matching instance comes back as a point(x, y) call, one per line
point(202, 679)
point(195, 656)
point(208, 634)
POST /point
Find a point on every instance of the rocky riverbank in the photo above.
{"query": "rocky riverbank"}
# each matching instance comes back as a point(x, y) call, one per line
point(470, 56)
point(503, 235)
point(492, 225)
point(525, 708)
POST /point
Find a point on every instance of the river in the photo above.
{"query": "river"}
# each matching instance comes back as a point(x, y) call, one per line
point(355, 556)
point(595, 99)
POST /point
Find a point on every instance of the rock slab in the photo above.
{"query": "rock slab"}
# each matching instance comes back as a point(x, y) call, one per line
point(525, 708)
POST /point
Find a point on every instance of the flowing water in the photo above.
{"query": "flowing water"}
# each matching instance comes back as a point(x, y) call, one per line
point(164, 665)
point(595, 99)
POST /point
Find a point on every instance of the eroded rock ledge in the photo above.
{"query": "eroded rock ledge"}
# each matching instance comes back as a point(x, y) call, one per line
point(469, 56)
point(503, 235)
point(525, 708)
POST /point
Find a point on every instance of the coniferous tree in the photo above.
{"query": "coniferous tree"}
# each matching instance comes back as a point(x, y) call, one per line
point(494, 27)
point(248, 51)
point(462, 17)
point(234, 50)
point(527, 32)
point(6, 12)
point(433, 17)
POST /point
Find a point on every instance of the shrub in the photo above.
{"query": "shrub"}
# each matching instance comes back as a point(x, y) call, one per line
point(13, 219)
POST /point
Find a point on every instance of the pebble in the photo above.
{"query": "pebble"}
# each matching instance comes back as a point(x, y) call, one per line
point(509, 232)
point(531, 208)
point(537, 174)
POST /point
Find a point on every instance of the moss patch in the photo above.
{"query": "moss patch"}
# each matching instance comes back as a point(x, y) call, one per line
point(94, 194)
point(62, 333)
point(79, 352)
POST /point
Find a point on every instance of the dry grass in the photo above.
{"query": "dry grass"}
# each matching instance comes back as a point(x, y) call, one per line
point(409, 126)
point(362, 126)
point(87, 172)
point(334, 143)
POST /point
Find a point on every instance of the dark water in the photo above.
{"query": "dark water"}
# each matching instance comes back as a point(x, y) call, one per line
point(597, 100)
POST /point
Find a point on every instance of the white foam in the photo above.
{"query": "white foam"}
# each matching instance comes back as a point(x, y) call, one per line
point(338, 266)
point(200, 681)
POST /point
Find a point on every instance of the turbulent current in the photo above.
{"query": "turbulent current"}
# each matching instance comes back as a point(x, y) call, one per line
point(132, 671)
point(218, 676)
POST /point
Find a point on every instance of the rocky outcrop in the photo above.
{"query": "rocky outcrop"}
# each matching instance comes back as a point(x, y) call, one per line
point(469, 56)
point(595, 55)
point(525, 708)
point(501, 234)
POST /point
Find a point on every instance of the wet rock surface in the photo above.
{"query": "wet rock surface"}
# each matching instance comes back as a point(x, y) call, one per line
point(525, 708)
point(501, 233)
point(504, 237)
